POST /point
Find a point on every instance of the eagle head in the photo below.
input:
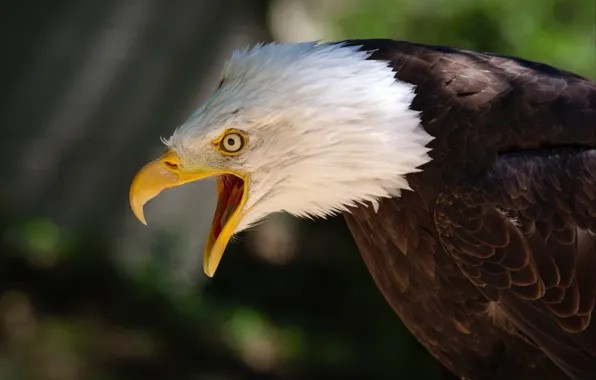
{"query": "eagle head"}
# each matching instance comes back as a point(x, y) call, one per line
point(309, 129)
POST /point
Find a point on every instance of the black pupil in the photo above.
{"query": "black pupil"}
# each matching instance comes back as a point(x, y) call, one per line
point(231, 141)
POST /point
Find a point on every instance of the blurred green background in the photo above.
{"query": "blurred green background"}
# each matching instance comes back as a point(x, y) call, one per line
point(87, 292)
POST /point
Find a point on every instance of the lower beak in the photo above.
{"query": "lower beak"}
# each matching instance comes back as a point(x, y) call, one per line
point(166, 172)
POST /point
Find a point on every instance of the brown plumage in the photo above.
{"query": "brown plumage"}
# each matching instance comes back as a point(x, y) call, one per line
point(491, 260)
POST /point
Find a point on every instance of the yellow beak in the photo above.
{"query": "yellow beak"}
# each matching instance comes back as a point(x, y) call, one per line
point(232, 190)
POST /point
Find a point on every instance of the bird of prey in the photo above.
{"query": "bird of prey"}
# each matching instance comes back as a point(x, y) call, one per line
point(467, 179)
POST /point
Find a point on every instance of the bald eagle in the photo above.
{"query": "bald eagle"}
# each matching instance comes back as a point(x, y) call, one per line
point(467, 179)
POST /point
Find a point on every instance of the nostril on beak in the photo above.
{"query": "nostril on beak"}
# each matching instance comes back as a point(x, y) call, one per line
point(170, 165)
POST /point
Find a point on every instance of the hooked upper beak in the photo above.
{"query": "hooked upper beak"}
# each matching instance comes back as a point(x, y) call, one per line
point(232, 190)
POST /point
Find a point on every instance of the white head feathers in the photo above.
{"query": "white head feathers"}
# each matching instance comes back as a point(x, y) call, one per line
point(327, 128)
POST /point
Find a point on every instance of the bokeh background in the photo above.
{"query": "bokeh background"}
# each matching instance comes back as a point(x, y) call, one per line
point(87, 292)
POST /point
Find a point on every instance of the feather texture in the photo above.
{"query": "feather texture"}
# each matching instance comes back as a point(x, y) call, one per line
point(508, 206)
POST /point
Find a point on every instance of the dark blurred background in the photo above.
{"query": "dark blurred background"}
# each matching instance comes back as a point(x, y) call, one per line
point(87, 292)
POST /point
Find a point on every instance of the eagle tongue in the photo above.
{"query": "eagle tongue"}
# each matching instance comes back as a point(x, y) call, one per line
point(228, 200)
point(234, 197)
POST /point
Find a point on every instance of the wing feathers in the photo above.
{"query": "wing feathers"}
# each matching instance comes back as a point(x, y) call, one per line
point(527, 230)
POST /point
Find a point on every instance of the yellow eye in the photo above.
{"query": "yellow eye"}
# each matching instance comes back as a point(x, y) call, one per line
point(232, 142)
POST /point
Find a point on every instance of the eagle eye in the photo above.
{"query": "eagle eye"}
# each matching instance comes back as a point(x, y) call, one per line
point(232, 142)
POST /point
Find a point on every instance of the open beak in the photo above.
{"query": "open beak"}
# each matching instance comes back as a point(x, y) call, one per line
point(232, 190)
